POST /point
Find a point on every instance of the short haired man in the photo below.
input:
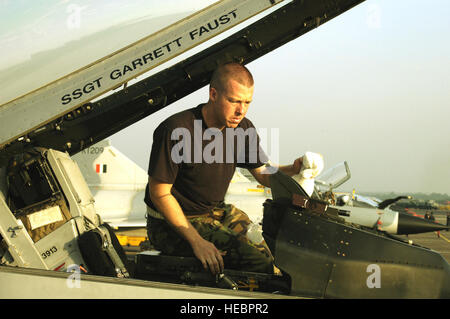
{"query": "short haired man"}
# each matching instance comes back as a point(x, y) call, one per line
point(186, 189)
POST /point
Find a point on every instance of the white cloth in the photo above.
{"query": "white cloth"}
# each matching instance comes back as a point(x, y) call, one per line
point(312, 166)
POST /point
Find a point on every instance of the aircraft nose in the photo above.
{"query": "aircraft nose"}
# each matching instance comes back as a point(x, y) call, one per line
point(408, 224)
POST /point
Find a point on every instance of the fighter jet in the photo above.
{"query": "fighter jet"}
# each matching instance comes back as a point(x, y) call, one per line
point(365, 211)
point(52, 238)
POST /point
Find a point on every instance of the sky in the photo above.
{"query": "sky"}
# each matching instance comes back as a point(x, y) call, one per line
point(370, 87)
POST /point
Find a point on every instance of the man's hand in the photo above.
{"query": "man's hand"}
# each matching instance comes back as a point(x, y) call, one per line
point(166, 203)
point(297, 165)
point(209, 255)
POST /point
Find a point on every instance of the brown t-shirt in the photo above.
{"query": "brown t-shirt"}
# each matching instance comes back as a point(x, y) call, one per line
point(200, 162)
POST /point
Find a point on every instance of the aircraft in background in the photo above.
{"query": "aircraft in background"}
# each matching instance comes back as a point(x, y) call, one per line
point(368, 211)
point(117, 184)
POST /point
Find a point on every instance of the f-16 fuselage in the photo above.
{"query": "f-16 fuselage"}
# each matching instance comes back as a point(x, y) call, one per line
point(47, 214)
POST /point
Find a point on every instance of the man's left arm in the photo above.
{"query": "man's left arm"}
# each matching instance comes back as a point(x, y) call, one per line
point(262, 173)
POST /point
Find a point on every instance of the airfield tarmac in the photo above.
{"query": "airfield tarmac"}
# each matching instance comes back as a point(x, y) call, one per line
point(437, 241)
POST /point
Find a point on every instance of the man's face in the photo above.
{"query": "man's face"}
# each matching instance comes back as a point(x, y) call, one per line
point(231, 103)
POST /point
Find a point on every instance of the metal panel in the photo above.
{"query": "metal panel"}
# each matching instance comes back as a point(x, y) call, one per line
point(77, 192)
point(17, 283)
point(19, 243)
point(59, 249)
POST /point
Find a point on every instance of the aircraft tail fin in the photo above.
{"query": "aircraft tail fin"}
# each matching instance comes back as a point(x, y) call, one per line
point(103, 165)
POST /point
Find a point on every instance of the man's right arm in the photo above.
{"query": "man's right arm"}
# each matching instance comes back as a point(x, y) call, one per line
point(167, 204)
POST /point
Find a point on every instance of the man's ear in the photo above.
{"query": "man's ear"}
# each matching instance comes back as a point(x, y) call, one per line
point(212, 94)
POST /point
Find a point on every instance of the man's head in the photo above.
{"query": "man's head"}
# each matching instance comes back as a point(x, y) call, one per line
point(230, 94)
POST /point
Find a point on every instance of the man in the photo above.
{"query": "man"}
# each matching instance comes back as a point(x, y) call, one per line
point(431, 217)
point(448, 220)
point(188, 179)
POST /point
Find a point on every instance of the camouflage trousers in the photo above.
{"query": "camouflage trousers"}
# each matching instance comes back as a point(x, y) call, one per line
point(226, 227)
